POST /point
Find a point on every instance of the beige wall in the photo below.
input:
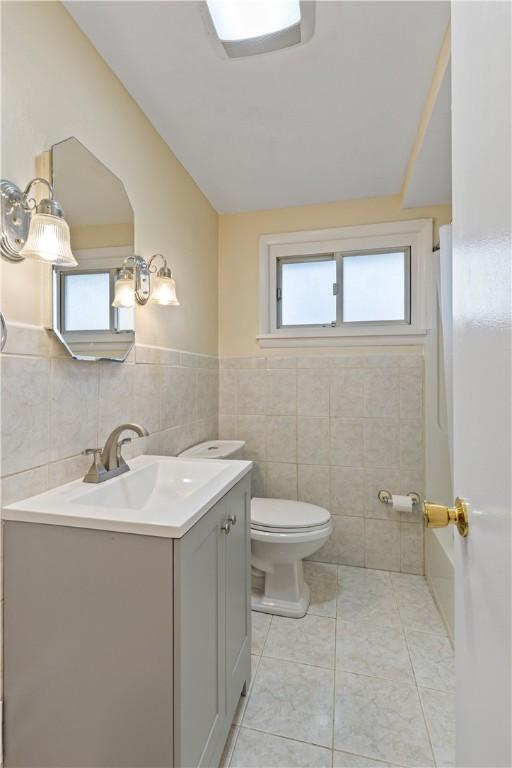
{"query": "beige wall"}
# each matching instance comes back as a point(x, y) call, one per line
point(238, 254)
point(55, 85)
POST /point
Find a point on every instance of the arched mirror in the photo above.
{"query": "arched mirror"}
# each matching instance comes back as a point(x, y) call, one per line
point(100, 218)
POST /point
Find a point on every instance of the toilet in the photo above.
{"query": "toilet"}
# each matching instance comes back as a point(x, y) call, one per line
point(283, 533)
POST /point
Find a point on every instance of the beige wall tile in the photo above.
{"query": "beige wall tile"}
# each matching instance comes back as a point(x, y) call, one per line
point(313, 393)
point(177, 396)
point(411, 393)
point(348, 491)
point(146, 393)
point(314, 485)
point(227, 391)
point(347, 389)
point(313, 441)
point(382, 393)
point(411, 548)
point(74, 389)
point(382, 544)
point(346, 543)
point(23, 485)
point(74, 468)
point(25, 384)
point(207, 392)
point(281, 438)
point(251, 392)
point(347, 444)
point(281, 393)
point(281, 481)
point(411, 444)
point(252, 429)
point(382, 443)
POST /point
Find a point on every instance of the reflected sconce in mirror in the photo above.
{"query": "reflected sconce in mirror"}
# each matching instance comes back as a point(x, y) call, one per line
point(145, 282)
point(33, 230)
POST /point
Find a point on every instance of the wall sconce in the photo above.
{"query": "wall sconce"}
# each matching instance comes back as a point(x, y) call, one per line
point(33, 230)
point(135, 284)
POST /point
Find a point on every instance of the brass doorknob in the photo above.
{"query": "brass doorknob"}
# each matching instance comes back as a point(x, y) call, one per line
point(439, 516)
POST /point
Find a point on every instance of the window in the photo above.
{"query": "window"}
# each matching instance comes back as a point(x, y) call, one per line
point(362, 284)
point(340, 288)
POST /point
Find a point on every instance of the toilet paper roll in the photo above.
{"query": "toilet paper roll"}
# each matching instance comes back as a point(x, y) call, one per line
point(401, 503)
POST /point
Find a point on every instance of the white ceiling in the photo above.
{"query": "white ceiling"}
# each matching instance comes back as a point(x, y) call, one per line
point(332, 119)
point(431, 180)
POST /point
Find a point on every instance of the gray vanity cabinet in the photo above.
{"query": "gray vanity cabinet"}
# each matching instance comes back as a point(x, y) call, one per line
point(123, 650)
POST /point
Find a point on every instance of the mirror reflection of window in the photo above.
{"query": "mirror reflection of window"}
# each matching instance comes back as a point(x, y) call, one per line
point(86, 302)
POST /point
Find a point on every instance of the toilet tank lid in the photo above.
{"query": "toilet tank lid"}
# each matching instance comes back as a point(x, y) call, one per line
point(214, 449)
point(285, 513)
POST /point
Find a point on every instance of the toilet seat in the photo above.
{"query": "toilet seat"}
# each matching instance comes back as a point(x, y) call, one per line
point(287, 517)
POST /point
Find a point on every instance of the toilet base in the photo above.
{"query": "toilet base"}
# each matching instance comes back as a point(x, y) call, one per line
point(293, 610)
point(285, 592)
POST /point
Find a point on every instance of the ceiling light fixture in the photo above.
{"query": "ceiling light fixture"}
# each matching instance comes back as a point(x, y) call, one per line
point(33, 230)
point(250, 27)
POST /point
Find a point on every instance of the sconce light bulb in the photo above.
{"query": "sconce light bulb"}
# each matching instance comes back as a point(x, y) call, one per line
point(49, 240)
point(163, 290)
point(124, 293)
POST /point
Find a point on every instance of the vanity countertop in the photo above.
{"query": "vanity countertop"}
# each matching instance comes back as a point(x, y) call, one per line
point(160, 496)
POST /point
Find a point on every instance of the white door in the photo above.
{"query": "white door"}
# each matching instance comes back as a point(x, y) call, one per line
point(482, 295)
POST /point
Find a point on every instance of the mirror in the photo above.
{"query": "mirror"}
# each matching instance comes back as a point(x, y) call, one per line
point(100, 219)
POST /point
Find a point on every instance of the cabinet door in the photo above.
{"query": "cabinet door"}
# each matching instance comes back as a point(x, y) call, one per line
point(199, 683)
point(238, 629)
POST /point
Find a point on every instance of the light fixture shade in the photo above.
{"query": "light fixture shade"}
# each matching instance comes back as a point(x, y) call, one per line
point(163, 291)
point(49, 240)
point(124, 293)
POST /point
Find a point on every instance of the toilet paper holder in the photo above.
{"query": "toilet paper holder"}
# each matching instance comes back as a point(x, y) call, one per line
point(386, 497)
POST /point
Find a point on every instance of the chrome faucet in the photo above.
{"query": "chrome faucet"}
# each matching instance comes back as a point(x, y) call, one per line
point(108, 461)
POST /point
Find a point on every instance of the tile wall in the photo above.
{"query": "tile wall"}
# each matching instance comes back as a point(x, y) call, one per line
point(328, 429)
point(333, 430)
point(54, 407)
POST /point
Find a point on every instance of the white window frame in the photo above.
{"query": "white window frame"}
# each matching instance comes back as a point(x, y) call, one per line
point(415, 234)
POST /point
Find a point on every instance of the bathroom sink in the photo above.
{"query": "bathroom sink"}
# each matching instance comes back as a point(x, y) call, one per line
point(159, 496)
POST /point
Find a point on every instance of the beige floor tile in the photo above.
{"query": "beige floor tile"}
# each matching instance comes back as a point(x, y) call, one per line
point(380, 719)
point(309, 640)
point(242, 704)
point(363, 605)
point(292, 700)
point(440, 715)
point(263, 750)
point(344, 760)
point(432, 660)
point(322, 579)
point(422, 616)
point(369, 649)
point(260, 627)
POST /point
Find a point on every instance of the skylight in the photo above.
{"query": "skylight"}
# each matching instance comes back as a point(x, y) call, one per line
point(249, 19)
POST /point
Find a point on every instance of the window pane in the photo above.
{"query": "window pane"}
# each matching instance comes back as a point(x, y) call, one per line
point(306, 291)
point(87, 302)
point(125, 318)
point(373, 287)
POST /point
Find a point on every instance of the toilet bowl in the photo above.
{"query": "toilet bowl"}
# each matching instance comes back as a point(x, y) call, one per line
point(283, 533)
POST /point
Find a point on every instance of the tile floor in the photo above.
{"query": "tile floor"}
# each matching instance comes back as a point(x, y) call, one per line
point(365, 679)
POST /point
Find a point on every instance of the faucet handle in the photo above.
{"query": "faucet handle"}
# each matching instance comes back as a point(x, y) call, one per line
point(119, 446)
point(92, 452)
point(97, 471)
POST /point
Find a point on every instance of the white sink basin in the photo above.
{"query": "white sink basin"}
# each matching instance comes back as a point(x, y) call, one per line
point(159, 496)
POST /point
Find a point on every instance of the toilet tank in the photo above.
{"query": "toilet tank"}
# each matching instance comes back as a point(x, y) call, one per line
point(215, 449)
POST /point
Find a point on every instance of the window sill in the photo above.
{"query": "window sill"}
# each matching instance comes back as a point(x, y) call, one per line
point(337, 337)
